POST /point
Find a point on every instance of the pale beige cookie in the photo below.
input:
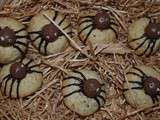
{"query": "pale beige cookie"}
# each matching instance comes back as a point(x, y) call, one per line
point(45, 36)
point(13, 39)
point(99, 28)
point(144, 36)
point(84, 92)
point(142, 86)
point(20, 79)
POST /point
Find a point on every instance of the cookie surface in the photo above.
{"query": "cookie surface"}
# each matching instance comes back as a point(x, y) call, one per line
point(84, 92)
point(142, 86)
point(144, 37)
point(20, 79)
point(45, 36)
point(13, 39)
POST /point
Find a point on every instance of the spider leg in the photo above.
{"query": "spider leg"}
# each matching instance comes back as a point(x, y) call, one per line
point(24, 28)
point(34, 66)
point(140, 71)
point(101, 97)
point(112, 23)
point(91, 17)
point(19, 37)
point(72, 77)
point(18, 83)
point(6, 77)
point(28, 62)
point(6, 84)
point(31, 71)
point(35, 32)
point(36, 38)
point(11, 87)
point(19, 49)
point(85, 28)
point(114, 31)
point(90, 20)
point(152, 47)
point(45, 48)
point(140, 45)
point(40, 44)
point(137, 82)
point(133, 73)
point(148, 46)
point(67, 27)
point(137, 88)
point(88, 34)
point(20, 43)
point(154, 99)
point(137, 38)
point(62, 20)
point(73, 84)
point(80, 74)
point(55, 16)
point(76, 91)
point(98, 102)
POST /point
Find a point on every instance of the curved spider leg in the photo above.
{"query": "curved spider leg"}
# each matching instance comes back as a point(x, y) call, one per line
point(62, 20)
point(88, 34)
point(11, 87)
point(154, 99)
point(72, 77)
point(140, 71)
point(137, 38)
point(136, 88)
point(31, 71)
point(152, 47)
point(140, 45)
point(45, 48)
point(114, 31)
point(67, 27)
point(85, 28)
point(136, 74)
point(55, 16)
point(76, 91)
point(29, 62)
point(98, 102)
point(101, 97)
point(34, 32)
point(40, 44)
point(137, 82)
point(112, 23)
point(19, 49)
point(36, 38)
point(69, 85)
point(90, 20)
point(17, 89)
point(30, 67)
point(20, 43)
point(22, 29)
point(82, 75)
point(6, 84)
point(148, 46)
point(6, 77)
point(19, 37)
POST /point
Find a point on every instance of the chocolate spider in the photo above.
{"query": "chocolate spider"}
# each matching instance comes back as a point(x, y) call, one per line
point(13, 39)
point(139, 79)
point(46, 37)
point(20, 79)
point(86, 89)
point(99, 28)
point(147, 41)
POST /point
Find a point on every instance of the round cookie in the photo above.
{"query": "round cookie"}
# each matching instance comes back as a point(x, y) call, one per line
point(144, 37)
point(142, 86)
point(97, 28)
point(45, 36)
point(13, 40)
point(84, 92)
point(20, 79)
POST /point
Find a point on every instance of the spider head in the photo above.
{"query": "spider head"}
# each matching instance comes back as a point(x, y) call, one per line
point(152, 86)
point(152, 31)
point(91, 88)
point(18, 70)
point(101, 20)
point(50, 33)
point(7, 37)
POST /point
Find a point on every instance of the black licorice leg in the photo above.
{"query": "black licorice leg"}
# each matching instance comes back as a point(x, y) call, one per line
point(36, 38)
point(35, 71)
point(140, 71)
point(67, 27)
point(20, 43)
point(88, 34)
point(5, 85)
point(137, 82)
point(98, 102)
point(90, 25)
point(40, 44)
point(11, 87)
point(148, 46)
point(22, 29)
point(135, 88)
point(101, 97)
point(33, 66)
point(19, 49)
point(140, 45)
point(55, 16)
point(72, 77)
point(82, 75)
point(90, 20)
point(18, 84)
point(114, 31)
point(62, 20)
point(19, 37)
point(137, 38)
point(152, 47)
point(29, 62)
point(35, 32)
point(112, 23)
point(6, 77)
point(45, 48)
point(133, 73)
point(69, 85)
point(76, 91)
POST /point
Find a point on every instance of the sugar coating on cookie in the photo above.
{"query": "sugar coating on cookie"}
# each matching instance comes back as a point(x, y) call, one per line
point(98, 28)
point(84, 91)
point(13, 40)
point(45, 36)
point(144, 36)
point(20, 79)
point(142, 86)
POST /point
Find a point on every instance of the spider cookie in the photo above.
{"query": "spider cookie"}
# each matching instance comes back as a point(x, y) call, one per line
point(144, 36)
point(84, 92)
point(20, 79)
point(45, 36)
point(99, 28)
point(142, 87)
point(13, 40)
